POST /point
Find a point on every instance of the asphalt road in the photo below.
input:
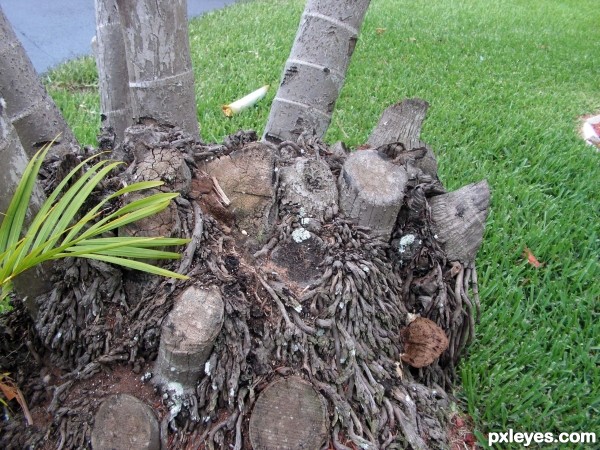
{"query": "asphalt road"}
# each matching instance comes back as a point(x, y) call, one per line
point(53, 31)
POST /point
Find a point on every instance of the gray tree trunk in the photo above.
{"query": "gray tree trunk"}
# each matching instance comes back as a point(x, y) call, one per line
point(113, 77)
point(14, 161)
point(161, 79)
point(29, 107)
point(316, 69)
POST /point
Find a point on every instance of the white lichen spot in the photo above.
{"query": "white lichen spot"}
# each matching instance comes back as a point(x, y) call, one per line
point(305, 220)
point(405, 242)
point(435, 236)
point(244, 232)
point(300, 235)
point(302, 211)
point(298, 308)
point(176, 389)
point(173, 369)
point(176, 394)
point(207, 367)
point(231, 392)
point(146, 377)
point(364, 268)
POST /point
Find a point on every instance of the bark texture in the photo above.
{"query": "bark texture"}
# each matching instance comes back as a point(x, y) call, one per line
point(36, 281)
point(28, 106)
point(113, 76)
point(316, 69)
point(161, 79)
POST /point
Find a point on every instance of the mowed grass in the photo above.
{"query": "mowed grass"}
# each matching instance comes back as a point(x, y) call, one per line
point(507, 82)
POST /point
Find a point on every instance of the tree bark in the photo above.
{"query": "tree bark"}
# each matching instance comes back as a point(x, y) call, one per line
point(161, 78)
point(316, 69)
point(29, 107)
point(113, 77)
point(36, 281)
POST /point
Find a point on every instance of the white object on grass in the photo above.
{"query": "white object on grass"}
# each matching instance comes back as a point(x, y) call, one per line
point(245, 102)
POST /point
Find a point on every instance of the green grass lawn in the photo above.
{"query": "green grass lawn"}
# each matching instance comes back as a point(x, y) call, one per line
point(506, 81)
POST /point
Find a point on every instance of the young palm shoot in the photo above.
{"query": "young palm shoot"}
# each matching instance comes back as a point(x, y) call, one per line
point(57, 230)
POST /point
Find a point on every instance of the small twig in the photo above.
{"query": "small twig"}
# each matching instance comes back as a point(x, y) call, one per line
point(188, 254)
point(220, 192)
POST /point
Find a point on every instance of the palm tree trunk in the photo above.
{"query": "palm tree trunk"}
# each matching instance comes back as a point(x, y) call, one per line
point(113, 77)
point(29, 107)
point(161, 79)
point(14, 161)
point(316, 69)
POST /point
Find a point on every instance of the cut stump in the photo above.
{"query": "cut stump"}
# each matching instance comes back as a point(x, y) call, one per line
point(289, 415)
point(397, 135)
point(310, 184)
point(124, 422)
point(400, 123)
point(458, 220)
point(372, 191)
point(246, 177)
point(188, 335)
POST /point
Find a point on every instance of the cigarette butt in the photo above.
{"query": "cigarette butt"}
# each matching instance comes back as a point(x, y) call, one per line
point(245, 102)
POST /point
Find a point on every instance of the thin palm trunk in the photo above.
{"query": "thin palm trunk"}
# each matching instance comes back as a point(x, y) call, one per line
point(29, 107)
point(111, 61)
point(316, 69)
point(14, 161)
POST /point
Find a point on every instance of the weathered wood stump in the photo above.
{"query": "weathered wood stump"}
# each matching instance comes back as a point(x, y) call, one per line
point(289, 415)
point(309, 184)
point(458, 220)
point(156, 160)
point(124, 422)
point(400, 123)
point(372, 191)
point(248, 179)
point(188, 335)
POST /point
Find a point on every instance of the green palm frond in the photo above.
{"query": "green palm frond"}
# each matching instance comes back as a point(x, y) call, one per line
point(56, 231)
